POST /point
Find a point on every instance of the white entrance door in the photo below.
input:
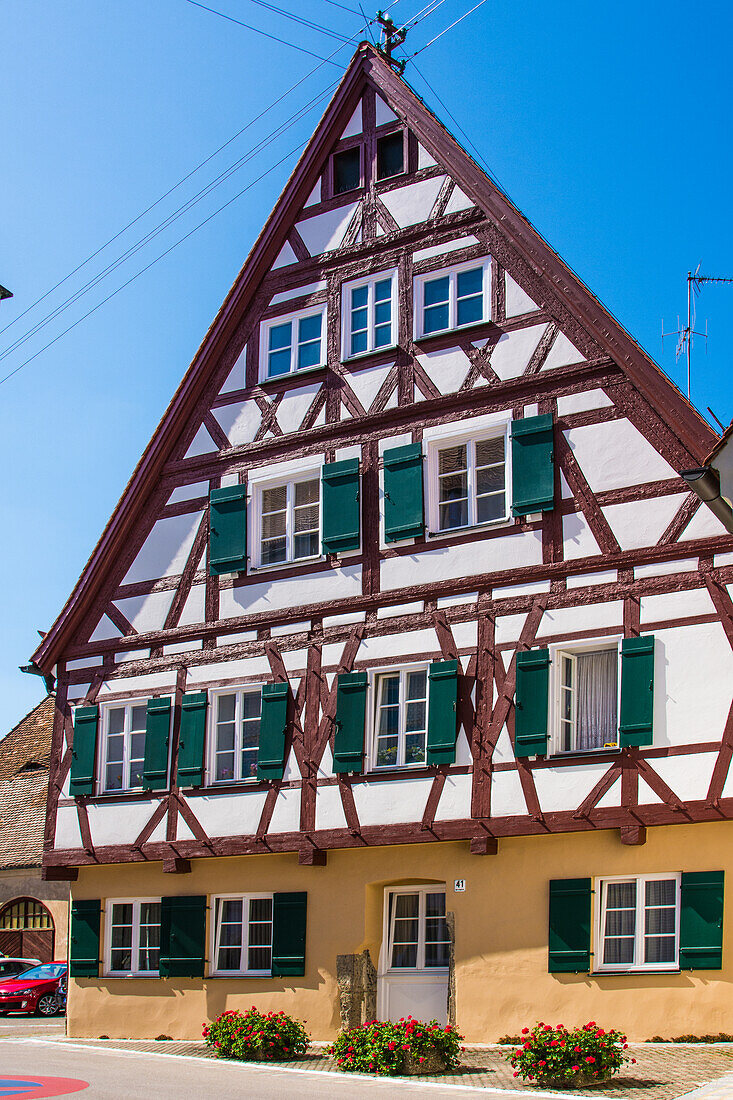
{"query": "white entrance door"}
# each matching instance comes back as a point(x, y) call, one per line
point(413, 978)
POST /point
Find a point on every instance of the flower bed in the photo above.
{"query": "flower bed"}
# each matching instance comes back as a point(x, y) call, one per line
point(392, 1049)
point(556, 1056)
point(253, 1037)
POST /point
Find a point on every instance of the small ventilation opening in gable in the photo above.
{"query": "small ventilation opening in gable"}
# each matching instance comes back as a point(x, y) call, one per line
point(347, 170)
point(390, 155)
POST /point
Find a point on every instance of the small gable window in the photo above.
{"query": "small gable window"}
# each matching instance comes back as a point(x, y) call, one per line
point(293, 343)
point(236, 737)
point(452, 299)
point(390, 155)
point(369, 311)
point(287, 519)
point(347, 170)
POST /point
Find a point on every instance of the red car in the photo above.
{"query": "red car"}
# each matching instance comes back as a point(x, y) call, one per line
point(41, 990)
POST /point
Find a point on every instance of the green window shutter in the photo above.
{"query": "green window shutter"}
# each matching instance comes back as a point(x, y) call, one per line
point(273, 726)
point(533, 473)
point(531, 703)
point(288, 934)
point(701, 920)
point(84, 750)
point(191, 739)
point(182, 936)
point(340, 506)
point(228, 530)
point(157, 738)
point(351, 693)
point(442, 712)
point(403, 493)
point(637, 691)
point(84, 938)
point(569, 926)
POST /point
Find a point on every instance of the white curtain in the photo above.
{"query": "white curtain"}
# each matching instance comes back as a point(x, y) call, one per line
point(597, 692)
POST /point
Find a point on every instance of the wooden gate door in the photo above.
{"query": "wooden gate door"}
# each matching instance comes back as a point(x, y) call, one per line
point(27, 930)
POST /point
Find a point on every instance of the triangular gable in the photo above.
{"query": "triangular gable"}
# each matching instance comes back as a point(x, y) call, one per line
point(546, 281)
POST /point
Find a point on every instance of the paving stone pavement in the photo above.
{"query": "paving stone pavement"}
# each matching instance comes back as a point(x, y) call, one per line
point(663, 1071)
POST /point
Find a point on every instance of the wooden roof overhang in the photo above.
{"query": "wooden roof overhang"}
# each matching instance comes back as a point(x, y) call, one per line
point(562, 285)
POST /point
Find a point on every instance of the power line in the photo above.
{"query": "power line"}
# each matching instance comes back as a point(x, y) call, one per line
point(157, 230)
point(450, 28)
point(343, 6)
point(162, 255)
point(257, 30)
point(299, 19)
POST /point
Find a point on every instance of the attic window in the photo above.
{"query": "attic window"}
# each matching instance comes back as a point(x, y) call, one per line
point(347, 170)
point(32, 766)
point(390, 155)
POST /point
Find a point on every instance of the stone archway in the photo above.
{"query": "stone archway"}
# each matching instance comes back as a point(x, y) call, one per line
point(27, 930)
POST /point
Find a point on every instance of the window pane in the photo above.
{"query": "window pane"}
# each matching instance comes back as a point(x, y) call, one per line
point(435, 313)
point(275, 499)
point(149, 954)
point(597, 691)
point(113, 777)
point(346, 170)
point(359, 297)
point(115, 749)
point(306, 492)
point(280, 336)
point(138, 718)
point(309, 328)
point(390, 155)
point(660, 921)
point(260, 909)
point(618, 946)
point(470, 282)
point(470, 299)
point(278, 363)
point(435, 319)
point(437, 290)
point(116, 720)
point(661, 892)
point(417, 684)
point(309, 342)
point(279, 357)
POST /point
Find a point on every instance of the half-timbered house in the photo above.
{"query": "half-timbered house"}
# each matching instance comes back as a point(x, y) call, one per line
point(400, 679)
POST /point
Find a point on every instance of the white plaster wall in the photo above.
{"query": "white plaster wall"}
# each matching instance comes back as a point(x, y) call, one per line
point(688, 776)
point(354, 125)
point(299, 291)
point(146, 613)
point(530, 588)
point(285, 257)
point(367, 383)
point(166, 549)
point(508, 628)
point(239, 421)
point(408, 643)
point(459, 200)
point(642, 522)
point(441, 249)
point(188, 492)
point(612, 798)
point(393, 611)
point(571, 620)
point(413, 203)
point(693, 684)
point(229, 814)
point(277, 593)
point(194, 609)
point(245, 667)
point(446, 368)
point(465, 634)
point(286, 815)
point(581, 402)
point(703, 525)
point(384, 112)
point(603, 576)
point(424, 158)
point(201, 444)
point(507, 799)
point(676, 605)
point(448, 563)
point(294, 406)
point(119, 822)
point(615, 454)
point(517, 300)
point(663, 568)
point(514, 350)
point(153, 682)
point(455, 799)
point(578, 539)
point(391, 803)
point(67, 828)
point(565, 788)
point(456, 601)
point(562, 353)
point(105, 630)
point(324, 232)
point(329, 809)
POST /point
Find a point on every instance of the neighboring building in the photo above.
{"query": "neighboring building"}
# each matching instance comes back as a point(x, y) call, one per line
point(34, 914)
point(713, 482)
point(400, 679)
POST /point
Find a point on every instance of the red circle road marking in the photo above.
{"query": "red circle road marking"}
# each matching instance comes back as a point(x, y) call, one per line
point(30, 1087)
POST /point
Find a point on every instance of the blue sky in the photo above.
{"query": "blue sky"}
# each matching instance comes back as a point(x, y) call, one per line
point(608, 124)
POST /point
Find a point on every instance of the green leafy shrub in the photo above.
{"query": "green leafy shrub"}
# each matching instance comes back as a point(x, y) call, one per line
point(254, 1037)
point(721, 1037)
point(385, 1048)
point(554, 1054)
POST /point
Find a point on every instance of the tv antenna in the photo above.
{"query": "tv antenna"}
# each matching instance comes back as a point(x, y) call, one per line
point(685, 335)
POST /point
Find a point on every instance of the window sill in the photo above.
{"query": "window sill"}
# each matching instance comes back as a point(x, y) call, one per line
point(238, 976)
point(421, 337)
point(254, 569)
point(391, 769)
point(375, 353)
point(282, 381)
point(505, 521)
point(635, 971)
point(575, 754)
point(132, 977)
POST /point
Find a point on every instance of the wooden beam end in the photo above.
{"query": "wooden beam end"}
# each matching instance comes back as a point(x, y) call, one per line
point(312, 857)
point(633, 834)
point(176, 865)
point(484, 846)
point(60, 874)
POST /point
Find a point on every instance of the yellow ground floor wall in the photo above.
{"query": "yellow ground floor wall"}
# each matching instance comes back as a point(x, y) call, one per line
point(501, 976)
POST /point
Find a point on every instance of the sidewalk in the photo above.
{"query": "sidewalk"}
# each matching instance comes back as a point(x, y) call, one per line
point(664, 1071)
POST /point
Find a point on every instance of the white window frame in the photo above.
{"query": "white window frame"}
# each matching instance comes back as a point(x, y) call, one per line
point(419, 282)
point(239, 690)
point(104, 710)
point(214, 970)
point(557, 650)
point(369, 282)
point(373, 699)
point(388, 928)
point(136, 904)
point(600, 887)
point(292, 319)
point(271, 478)
point(479, 430)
